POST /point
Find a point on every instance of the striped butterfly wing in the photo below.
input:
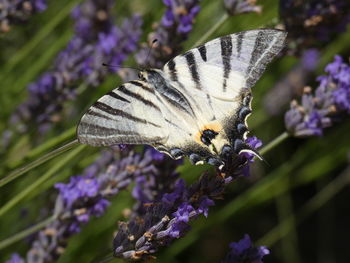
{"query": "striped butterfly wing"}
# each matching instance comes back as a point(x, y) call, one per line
point(129, 114)
point(217, 72)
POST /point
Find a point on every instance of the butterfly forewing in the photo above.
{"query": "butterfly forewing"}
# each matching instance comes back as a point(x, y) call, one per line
point(130, 113)
point(223, 66)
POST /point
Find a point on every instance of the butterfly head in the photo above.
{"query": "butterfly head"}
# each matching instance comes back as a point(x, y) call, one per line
point(142, 75)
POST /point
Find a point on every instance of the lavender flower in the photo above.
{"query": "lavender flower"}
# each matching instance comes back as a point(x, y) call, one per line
point(86, 196)
point(96, 40)
point(314, 22)
point(173, 29)
point(168, 219)
point(236, 7)
point(165, 207)
point(15, 258)
point(244, 252)
point(16, 11)
point(321, 109)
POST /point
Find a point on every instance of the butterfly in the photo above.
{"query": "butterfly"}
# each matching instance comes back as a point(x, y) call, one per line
point(196, 106)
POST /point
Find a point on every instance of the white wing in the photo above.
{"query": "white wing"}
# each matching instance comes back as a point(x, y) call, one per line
point(129, 114)
point(135, 113)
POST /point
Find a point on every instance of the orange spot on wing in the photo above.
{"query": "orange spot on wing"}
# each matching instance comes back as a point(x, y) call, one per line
point(214, 126)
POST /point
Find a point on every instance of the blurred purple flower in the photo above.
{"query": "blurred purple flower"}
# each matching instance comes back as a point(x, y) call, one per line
point(236, 7)
point(313, 23)
point(170, 32)
point(96, 40)
point(243, 251)
point(319, 110)
point(310, 59)
point(17, 11)
point(15, 258)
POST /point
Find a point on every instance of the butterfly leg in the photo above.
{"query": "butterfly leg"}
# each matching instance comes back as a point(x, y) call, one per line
point(176, 153)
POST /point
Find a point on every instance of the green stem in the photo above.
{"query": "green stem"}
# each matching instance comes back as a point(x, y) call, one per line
point(17, 237)
point(39, 150)
point(274, 143)
point(55, 168)
point(211, 30)
point(16, 173)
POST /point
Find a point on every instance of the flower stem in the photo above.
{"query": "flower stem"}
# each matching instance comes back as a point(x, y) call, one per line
point(14, 238)
point(211, 30)
point(16, 173)
point(274, 143)
point(42, 148)
point(56, 167)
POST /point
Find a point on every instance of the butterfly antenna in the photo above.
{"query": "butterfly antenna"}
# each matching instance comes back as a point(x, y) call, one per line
point(150, 49)
point(118, 66)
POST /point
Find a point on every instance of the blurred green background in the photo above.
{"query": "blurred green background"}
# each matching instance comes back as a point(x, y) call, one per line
point(297, 205)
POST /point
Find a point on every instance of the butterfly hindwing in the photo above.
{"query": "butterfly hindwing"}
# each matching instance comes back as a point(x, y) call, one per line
point(217, 78)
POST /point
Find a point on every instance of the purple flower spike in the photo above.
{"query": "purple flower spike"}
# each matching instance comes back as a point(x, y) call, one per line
point(236, 7)
point(321, 109)
point(174, 27)
point(243, 251)
point(14, 12)
point(166, 206)
point(182, 214)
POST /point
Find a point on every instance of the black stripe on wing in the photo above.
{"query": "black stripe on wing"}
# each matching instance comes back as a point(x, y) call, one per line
point(172, 70)
point(116, 112)
point(168, 92)
point(98, 130)
point(258, 63)
point(116, 96)
point(192, 65)
point(97, 114)
point(226, 53)
point(142, 85)
point(259, 46)
point(138, 97)
point(203, 52)
point(240, 37)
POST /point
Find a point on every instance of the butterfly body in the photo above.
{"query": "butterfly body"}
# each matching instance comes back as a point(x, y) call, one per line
point(197, 106)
